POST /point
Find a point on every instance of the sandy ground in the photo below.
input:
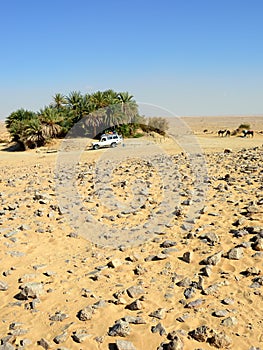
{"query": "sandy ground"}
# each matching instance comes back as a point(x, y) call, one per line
point(177, 219)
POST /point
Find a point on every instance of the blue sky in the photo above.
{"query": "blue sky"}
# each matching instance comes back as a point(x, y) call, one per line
point(191, 57)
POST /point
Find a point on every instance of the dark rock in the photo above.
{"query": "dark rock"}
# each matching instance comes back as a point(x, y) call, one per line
point(235, 253)
point(202, 333)
point(58, 316)
point(228, 301)
point(159, 313)
point(187, 257)
point(61, 338)
point(195, 304)
point(134, 320)
point(85, 314)
point(31, 290)
point(120, 328)
point(189, 292)
point(186, 282)
point(44, 343)
point(220, 313)
point(213, 259)
point(135, 305)
point(220, 340)
point(159, 328)
point(210, 237)
point(168, 244)
point(80, 335)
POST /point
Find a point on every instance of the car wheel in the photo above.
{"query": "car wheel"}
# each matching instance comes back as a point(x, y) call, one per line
point(96, 147)
point(114, 144)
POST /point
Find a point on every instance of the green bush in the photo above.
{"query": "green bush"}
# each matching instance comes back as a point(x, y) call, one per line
point(138, 134)
point(159, 124)
point(244, 126)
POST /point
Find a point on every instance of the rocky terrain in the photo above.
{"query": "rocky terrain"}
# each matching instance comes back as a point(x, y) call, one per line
point(171, 257)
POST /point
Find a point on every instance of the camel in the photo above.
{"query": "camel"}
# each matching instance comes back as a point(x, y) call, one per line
point(223, 133)
point(248, 133)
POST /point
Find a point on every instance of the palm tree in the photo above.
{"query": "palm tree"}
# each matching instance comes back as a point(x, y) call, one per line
point(51, 120)
point(19, 115)
point(32, 135)
point(77, 104)
point(59, 101)
point(16, 121)
point(128, 106)
point(73, 99)
point(16, 128)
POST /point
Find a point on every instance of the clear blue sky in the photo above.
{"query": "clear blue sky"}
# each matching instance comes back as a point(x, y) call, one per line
point(192, 57)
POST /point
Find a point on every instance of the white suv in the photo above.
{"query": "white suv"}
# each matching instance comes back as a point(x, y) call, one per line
point(107, 140)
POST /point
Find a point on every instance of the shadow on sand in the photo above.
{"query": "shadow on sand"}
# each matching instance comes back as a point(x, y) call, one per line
point(13, 147)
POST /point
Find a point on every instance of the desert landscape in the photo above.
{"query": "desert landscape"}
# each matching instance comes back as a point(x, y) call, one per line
point(162, 250)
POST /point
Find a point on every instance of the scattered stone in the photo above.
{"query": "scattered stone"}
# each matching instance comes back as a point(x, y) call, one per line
point(202, 333)
point(61, 338)
point(124, 345)
point(183, 318)
point(251, 271)
point(3, 286)
point(85, 314)
point(27, 277)
point(31, 290)
point(220, 313)
point(185, 282)
point(220, 341)
point(206, 271)
point(115, 263)
point(139, 270)
point(135, 305)
point(159, 328)
point(258, 244)
point(212, 290)
point(25, 342)
point(187, 257)
point(160, 256)
point(159, 313)
point(58, 316)
point(229, 322)
point(235, 253)
point(135, 291)
point(195, 304)
point(120, 328)
point(176, 342)
point(7, 346)
point(99, 304)
point(134, 320)
point(44, 343)
point(168, 244)
point(80, 335)
point(213, 259)
point(210, 237)
point(189, 292)
point(228, 301)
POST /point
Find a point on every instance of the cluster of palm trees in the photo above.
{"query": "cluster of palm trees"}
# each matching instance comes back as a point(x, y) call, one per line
point(91, 113)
